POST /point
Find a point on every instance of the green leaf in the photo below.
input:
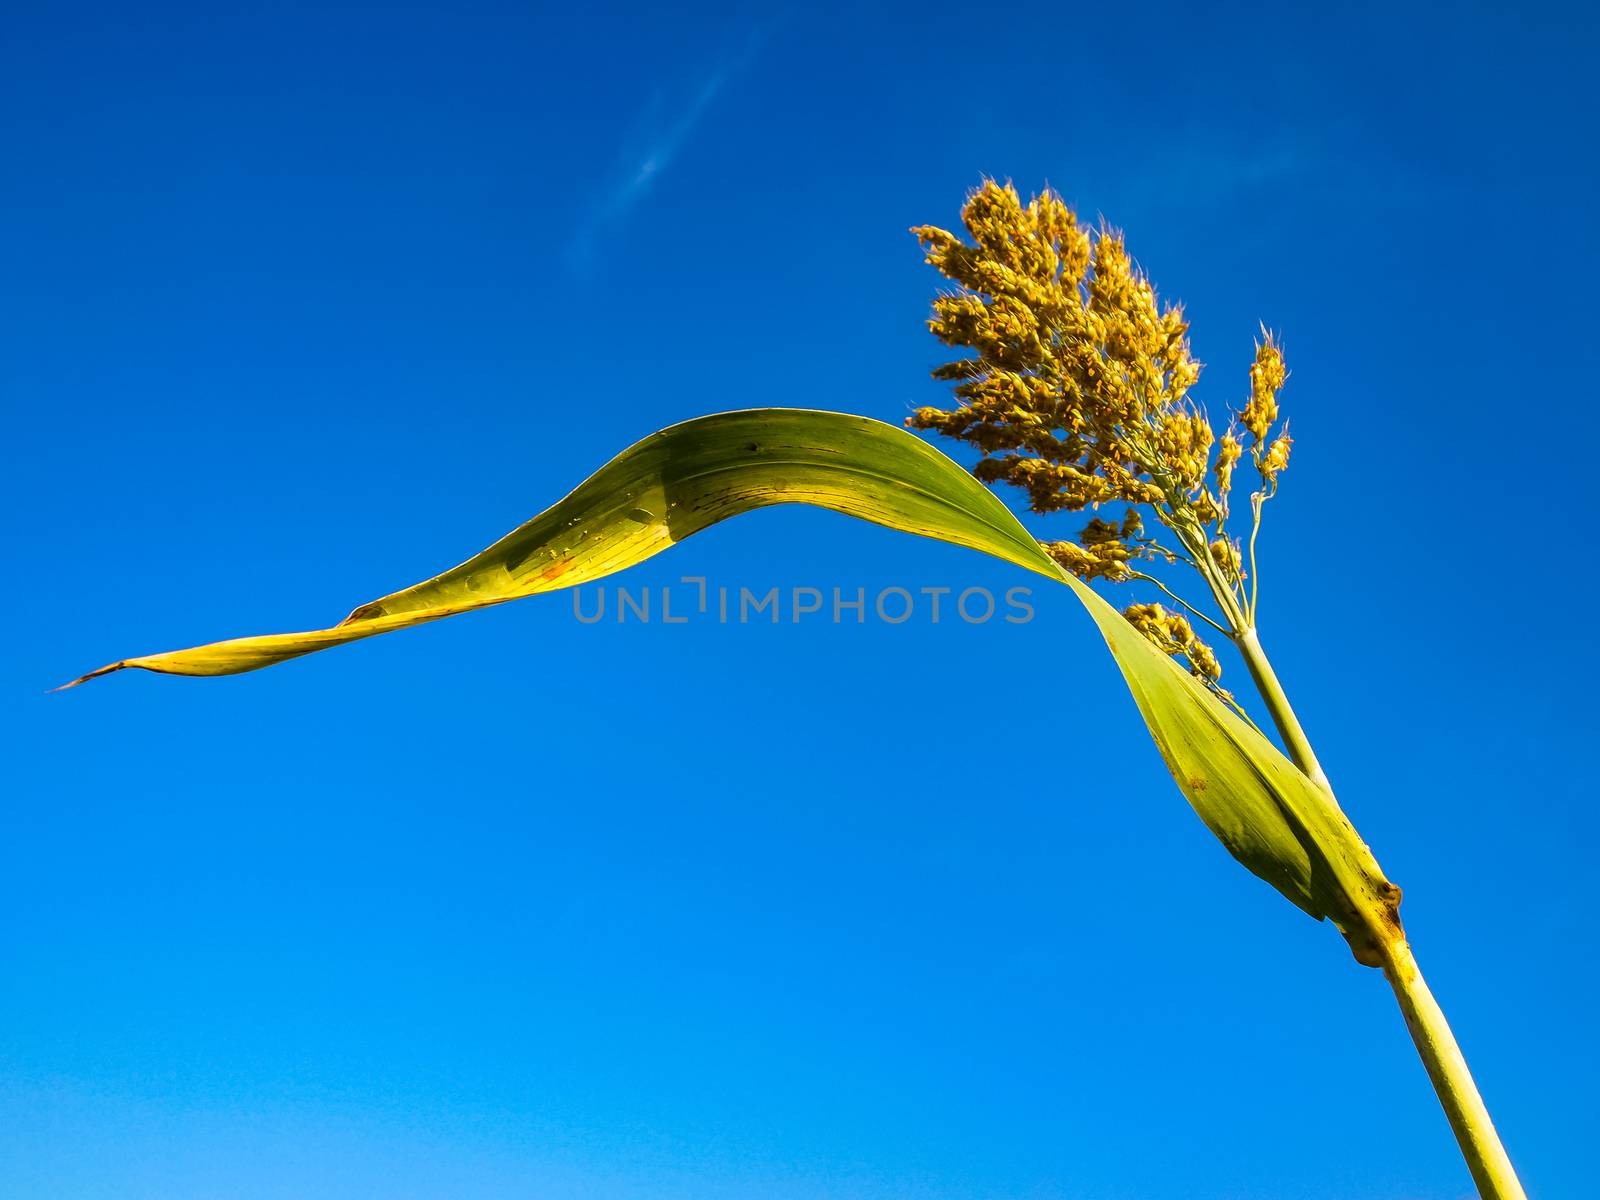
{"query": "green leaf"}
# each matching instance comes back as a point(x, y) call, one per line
point(1263, 808)
point(671, 485)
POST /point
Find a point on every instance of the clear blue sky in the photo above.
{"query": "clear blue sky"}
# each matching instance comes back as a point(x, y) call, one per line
point(304, 302)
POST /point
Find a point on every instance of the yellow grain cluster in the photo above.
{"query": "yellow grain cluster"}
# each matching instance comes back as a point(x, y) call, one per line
point(1172, 633)
point(1075, 388)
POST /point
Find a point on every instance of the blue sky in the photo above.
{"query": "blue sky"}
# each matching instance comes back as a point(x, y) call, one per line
point(305, 302)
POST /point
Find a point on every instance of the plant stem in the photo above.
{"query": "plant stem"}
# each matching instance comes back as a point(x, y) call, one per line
point(1266, 681)
point(1447, 1069)
point(1265, 678)
point(1469, 1119)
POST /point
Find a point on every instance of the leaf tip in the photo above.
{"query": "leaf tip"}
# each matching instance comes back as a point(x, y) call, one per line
point(106, 670)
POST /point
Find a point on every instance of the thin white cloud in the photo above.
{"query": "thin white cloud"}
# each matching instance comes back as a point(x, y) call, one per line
point(640, 165)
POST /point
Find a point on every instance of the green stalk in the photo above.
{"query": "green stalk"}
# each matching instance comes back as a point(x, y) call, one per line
point(1469, 1119)
point(1430, 1032)
point(1266, 681)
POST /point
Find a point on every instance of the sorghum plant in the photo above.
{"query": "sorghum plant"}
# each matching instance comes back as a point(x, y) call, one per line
point(1075, 388)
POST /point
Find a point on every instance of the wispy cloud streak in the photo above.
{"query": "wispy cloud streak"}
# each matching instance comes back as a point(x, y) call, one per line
point(641, 165)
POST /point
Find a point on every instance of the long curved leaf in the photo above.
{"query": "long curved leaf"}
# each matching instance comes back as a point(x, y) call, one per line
point(688, 477)
point(657, 492)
